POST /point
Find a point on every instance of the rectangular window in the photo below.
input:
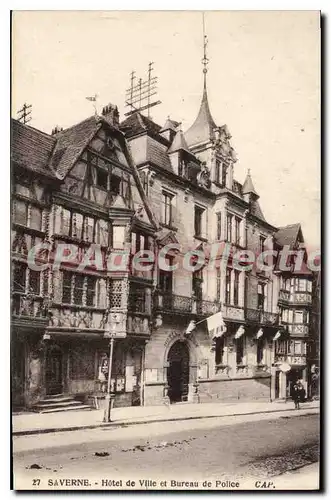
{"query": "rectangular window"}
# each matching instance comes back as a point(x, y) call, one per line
point(77, 225)
point(19, 277)
point(102, 232)
point(118, 237)
point(91, 282)
point(165, 277)
point(101, 178)
point(229, 228)
point(198, 214)
point(21, 212)
point(297, 347)
point(166, 217)
point(260, 296)
point(34, 282)
point(65, 222)
point(236, 288)
point(302, 285)
point(237, 231)
point(262, 243)
point(218, 166)
point(240, 350)
point(219, 351)
point(228, 286)
point(259, 350)
point(298, 317)
point(219, 226)
point(78, 289)
point(115, 184)
point(88, 229)
point(66, 287)
point(35, 218)
point(224, 169)
point(197, 279)
point(218, 284)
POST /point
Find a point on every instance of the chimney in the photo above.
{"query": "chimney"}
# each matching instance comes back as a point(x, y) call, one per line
point(56, 130)
point(111, 114)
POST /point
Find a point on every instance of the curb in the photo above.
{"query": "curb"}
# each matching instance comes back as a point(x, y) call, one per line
point(153, 421)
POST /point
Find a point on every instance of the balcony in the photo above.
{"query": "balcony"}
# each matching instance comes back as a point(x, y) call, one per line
point(169, 302)
point(261, 317)
point(206, 307)
point(233, 312)
point(268, 318)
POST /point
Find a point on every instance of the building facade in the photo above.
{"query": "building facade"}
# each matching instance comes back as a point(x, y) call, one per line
point(136, 186)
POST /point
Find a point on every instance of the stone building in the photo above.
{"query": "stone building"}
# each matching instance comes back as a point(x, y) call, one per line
point(136, 186)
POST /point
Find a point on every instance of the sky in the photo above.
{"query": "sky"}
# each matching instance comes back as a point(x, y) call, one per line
point(263, 82)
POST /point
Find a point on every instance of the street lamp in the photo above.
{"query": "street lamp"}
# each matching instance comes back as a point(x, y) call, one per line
point(108, 399)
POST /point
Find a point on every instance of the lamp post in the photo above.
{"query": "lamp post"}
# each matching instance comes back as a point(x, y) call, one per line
point(108, 398)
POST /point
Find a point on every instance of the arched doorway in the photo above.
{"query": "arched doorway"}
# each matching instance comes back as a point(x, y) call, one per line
point(178, 372)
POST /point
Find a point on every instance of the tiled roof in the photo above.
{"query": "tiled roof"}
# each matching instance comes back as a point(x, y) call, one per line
point(31, 148)
point(158, 155)
point(178, 143)
point(248, 185)
point(204, 125)
point(70, 144)
point(169, 125)
point(137, 123)
point(287, 235)
point(256, 210)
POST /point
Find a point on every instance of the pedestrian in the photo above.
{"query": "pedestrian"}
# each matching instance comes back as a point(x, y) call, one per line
point(302, 392)
point(296, 395)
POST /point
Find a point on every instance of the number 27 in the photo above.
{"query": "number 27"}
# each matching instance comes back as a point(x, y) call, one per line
point(35, 482)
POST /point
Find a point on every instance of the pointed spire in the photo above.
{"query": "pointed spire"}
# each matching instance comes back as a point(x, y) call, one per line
point(202, 129)
point(248, 184)
point(179, 143)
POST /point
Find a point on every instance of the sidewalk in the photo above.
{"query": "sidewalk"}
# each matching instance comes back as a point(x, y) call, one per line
point(37, 423)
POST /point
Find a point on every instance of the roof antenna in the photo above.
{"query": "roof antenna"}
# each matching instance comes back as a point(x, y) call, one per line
point(205, 59)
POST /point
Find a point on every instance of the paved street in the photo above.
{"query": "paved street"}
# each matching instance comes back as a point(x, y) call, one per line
point(234, 448)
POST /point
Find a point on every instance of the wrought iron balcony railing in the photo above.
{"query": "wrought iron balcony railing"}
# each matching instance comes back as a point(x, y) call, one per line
point(262, 317)
point(172, 302)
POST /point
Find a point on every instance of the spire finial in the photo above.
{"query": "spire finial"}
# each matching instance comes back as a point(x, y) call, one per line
point(205, 59)
point(248, 171)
